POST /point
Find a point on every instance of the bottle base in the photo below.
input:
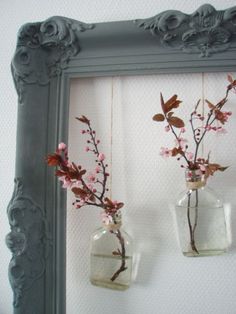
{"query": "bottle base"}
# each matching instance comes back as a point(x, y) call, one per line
point(108, 284)
point(204, 253)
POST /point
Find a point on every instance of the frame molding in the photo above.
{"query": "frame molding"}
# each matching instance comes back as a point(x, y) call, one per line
point(47, 56)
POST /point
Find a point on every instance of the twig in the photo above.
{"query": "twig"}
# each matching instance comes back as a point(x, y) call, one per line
point(122, 254)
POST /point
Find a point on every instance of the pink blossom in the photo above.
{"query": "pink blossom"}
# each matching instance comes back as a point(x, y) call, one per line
point(208, 127)
point(62, 146)
point(97, 169)
point(221, 130)
point(87, 149)
point(181, 142)
point(182, 130)
point(165, 152)
point(67, 183)
point(189, 155)
point(79, 204)
point(77, 184)
point(106, 218)
point(167, 128)
point(91, 177)
point(90, 186)
point(83, 131)
point(198, 172)
point(202, 167)
point(101, 157)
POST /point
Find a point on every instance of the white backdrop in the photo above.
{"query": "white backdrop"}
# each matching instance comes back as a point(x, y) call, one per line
point(165, 281)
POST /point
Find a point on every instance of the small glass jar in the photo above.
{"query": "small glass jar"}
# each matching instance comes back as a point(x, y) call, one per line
point(201, 220)
point(111, 257)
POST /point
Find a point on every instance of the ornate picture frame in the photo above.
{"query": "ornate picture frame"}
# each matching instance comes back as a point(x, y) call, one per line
point(48, 55)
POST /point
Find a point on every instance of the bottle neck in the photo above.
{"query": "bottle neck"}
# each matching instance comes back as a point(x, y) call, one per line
point(194, 179)
point(112, 226)
point(115, 223)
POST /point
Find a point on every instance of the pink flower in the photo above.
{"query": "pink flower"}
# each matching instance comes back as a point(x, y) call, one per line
point(83, 131)
point(97, 169)
point(87, 149)
point(90, 186)
point(67, 183)
point(208, 127)
point(221, 130)
point(181, 142)
point(165, 152)
point(202, 167)
point(62, 146)
point(182, 130)
point(189, 155)
point(91, 177)
point(101, 157)
point(167, 128)
point(106, 218)
point(77, 184)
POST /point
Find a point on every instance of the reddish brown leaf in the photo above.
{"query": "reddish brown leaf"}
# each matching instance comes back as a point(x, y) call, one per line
point(60, 173)
point(83, 119)
point(171, 103)
point(162, 103)
point(116, 253)
point(82, 172)
point(92, 198)
point(210, 105)
point(170, 114)
point(230, 79)
point(220, 116)
point(108, 201)
point(119, 205)
point(212, 168)
point(79, 192)
point(176, 150)
point(53, 160)
point(176, 122)
point(232, 82)
point(158, 117)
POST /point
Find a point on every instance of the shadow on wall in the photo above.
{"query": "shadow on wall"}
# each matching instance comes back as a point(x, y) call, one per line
point(150, 241)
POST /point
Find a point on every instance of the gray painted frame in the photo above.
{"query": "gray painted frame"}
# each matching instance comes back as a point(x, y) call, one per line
point(48, 55)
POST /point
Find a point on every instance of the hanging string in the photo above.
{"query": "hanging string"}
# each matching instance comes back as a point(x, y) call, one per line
point(203, 107)
point(111, 138)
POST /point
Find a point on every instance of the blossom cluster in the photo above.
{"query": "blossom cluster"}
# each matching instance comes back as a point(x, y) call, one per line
point(89, 187)
point(200, 124)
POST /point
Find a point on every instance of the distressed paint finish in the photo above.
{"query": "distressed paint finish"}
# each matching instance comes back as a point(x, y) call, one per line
point(28, 242)
point(47, 55)
point(206, 31)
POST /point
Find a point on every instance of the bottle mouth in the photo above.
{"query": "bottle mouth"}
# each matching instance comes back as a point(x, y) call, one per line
point(195, 179)
point(195, 184)
point(112, 226)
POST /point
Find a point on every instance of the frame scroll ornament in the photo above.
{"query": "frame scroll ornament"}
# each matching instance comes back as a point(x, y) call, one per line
point(48, 55)
point(206, 31)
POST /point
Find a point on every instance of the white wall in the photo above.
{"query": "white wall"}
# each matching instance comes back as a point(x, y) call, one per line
point(166, 283)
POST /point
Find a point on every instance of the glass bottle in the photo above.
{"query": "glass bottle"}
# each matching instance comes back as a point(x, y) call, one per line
point(111, 256)
point(201, 220)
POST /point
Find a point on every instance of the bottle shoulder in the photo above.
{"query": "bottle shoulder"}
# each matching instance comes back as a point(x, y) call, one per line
point(204, 197)
point(103, 232)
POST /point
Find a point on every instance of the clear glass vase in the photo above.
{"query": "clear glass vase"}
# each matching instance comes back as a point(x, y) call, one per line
point(111, 257)
point(201, 220)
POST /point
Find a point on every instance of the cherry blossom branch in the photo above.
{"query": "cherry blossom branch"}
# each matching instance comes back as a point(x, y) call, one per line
point(73, 177)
